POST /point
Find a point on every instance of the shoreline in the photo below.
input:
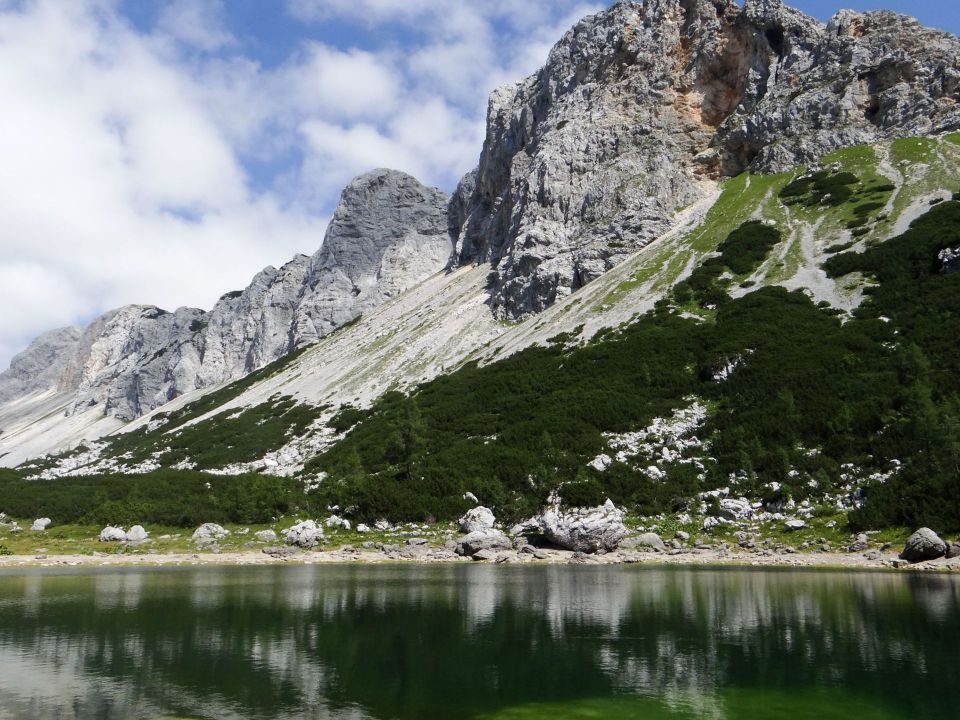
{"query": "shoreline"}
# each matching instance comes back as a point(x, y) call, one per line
point(433, 556)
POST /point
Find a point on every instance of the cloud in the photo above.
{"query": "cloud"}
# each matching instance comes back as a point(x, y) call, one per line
point(118, 185)
point(199, 24)
point(165, 163)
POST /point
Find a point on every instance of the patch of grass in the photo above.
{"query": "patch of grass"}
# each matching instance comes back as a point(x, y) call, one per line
point(913, 149)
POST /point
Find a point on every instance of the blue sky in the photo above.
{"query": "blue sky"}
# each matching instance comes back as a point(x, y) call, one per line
point(166, 150)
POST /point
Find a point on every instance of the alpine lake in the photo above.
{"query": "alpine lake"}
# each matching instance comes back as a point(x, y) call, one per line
point(478, 642)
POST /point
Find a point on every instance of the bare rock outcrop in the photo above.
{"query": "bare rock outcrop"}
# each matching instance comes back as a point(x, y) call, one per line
point(41, 365)
point(588, 160)
point(388, 234)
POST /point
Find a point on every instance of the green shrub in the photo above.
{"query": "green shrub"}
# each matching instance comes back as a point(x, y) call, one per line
point(165, 497)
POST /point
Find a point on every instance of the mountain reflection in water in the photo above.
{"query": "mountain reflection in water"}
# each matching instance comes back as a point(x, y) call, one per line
point(350, 642)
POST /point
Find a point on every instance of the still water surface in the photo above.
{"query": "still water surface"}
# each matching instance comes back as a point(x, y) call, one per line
point(354, 642)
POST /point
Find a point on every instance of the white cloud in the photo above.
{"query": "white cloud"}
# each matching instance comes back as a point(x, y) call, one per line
point(351, 84)
point(128, 169)
point(199, 24)
point(118, 186)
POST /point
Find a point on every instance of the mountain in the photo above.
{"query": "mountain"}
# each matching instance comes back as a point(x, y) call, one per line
point(589, 159)
point(706, 248)
point(388, 233)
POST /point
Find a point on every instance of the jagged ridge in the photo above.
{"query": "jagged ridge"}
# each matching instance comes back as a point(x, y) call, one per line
point(389, 232)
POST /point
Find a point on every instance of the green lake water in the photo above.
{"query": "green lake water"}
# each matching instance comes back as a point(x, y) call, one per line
point(477, 641)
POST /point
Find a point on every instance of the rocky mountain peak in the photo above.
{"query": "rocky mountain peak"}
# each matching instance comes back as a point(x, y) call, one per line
point(388, 233)
point(640, 105)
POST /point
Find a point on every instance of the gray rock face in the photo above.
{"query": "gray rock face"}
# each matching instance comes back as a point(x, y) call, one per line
point(924, 544)
point(388, 234)
point(41, 366)
point(587, 160)
point(590, 530)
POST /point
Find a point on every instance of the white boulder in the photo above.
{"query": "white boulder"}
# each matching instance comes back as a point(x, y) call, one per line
point(361, 528)
point(112, 534)
point(136, 534)
point(306, 534)
point(265, 535)
point(584, 529)
point(477, 519)
point(335, 521)
point(710, 522)
point(736, 509)
point(796, 524)
point(208, 532)
point(41, 524)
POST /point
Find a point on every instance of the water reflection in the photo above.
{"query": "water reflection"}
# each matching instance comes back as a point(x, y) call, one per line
point(464, 641)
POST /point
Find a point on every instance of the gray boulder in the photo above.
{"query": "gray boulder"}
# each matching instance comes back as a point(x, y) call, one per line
point(598, 529)
point(41, 524)
point(648, 540)
point(209, 532)
point(306, 534)
point(793, 525)
point(265, 535)
point(924, 544)
point(483, 540)
point(953, 550)
point(477, 519)
point(860, 544)
point(484, 555)
point(112, 534)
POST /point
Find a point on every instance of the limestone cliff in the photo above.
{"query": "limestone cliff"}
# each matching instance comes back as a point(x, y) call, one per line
point(589, 159)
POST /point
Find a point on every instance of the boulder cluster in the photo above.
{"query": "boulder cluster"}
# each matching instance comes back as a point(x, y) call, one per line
point(135, 534)
point(583, 530)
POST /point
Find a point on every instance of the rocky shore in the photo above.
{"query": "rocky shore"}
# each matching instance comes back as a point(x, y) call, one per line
point(424, 553)
point(558, 535)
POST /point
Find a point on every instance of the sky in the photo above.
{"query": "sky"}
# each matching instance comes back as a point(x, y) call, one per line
point(164, 151)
